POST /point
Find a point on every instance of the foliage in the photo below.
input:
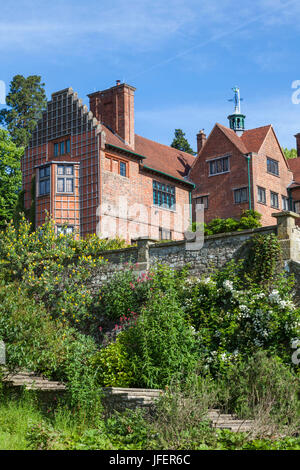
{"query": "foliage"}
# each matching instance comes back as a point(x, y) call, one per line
point(113, 366)
point(233, 320)
point(180, 142)
point(125, 294)
point(56, 270)
point(290, 153)
point(263, 259)
point(10, 177)
point(263, 387)
point(161, 345)
point(249, 219)
point(26, 101)
point(36, 342)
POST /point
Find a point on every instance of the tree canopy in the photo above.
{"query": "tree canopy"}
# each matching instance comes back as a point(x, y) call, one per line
point(181, 143)
point(26, 101)
point(289, 153)
point(10, 176)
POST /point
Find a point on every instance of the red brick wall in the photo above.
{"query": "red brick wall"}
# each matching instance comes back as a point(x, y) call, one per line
point(270, 182)
point(219, 188)
point(137, 191)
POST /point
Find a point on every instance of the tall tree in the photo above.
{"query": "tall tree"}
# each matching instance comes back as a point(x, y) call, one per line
point(181, 143)
point(10, 177)
point(26, 101)
point(292, 153)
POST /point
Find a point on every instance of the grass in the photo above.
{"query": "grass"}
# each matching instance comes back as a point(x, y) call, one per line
point(16, 416)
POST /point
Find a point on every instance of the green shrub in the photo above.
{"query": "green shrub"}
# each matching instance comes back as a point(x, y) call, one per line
point(161, 345)
point(263, 388)
point(249, 219)
point(233, 320)
point(113, 366)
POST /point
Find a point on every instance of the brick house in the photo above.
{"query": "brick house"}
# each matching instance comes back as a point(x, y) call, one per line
point(237, 170)
point(92, 174)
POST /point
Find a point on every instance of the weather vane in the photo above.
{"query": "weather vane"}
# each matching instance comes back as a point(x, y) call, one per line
point(237, 100)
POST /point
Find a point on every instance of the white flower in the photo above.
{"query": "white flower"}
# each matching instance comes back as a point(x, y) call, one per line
point(228, 285)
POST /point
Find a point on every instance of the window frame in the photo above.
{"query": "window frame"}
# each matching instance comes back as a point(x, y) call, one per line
point(119, 160)
point(215, 161)
point(265, 195)
point(64, 177)
point(270, 162)
point(165, 231)
point(239, 190)
point(272, 193)
point(164, 195)
point(205, 197)
point(62, 226)
point(44, 180)
point(283, 200)
point(62, 143)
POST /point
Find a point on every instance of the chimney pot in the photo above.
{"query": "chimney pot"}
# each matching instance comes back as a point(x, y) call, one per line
point(118, 82)
point(298, 144)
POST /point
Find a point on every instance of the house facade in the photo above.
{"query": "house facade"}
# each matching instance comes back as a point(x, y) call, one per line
point(239, 169)
point(91, 173)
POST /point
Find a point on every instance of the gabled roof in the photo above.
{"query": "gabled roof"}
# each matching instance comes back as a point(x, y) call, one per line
point(159, 157)
point(254, 138)
point(235, 139)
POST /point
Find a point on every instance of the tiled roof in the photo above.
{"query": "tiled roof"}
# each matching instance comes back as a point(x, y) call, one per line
point(158, 156)
point(235, 139)
point(254, 138)
point(250, 141)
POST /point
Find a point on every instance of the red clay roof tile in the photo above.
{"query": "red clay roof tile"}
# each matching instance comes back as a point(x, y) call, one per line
point(158, 156)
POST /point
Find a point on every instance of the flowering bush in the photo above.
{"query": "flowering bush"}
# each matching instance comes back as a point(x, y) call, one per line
point(54, 269)
point(233, 320)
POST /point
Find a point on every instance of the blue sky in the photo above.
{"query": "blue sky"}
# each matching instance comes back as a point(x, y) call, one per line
point(183, 56)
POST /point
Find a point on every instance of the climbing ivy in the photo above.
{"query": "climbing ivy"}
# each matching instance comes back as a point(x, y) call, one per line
point(263, 259)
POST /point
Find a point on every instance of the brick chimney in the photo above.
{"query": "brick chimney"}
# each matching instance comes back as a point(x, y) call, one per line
point(201, 139)
point(298, 144)
point(114, 108)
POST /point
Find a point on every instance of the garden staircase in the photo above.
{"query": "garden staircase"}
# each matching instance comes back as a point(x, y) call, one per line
point(134, 397)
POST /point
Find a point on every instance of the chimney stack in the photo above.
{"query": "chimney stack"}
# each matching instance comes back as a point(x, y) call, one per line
point(114, 108)
point(201, 139)
point(298, 144)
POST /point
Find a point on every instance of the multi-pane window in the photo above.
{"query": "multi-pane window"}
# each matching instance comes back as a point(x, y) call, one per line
point(202, 200)
point(65, 229)
point(61, 148)
point(274, 200)
point(123, 169)
point(220, 165)
point(65, 179)
point(272, 166)
point(261, 195)
point(297, 207)
point(240, 195)
point(163, 195)
point(44, 180)
point(165, 234)
point(285, 203)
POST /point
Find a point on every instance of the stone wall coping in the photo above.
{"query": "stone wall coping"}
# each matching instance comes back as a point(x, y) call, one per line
point(118, 250)
point(269, 228)
point(286, 214)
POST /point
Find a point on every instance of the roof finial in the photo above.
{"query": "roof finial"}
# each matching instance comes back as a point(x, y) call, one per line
point(237, 100)
point(237, 120)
